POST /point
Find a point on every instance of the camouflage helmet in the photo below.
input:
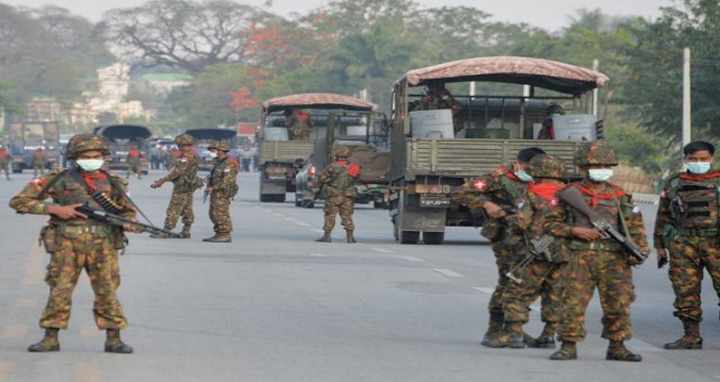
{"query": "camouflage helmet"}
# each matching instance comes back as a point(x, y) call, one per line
point(597, 152)
point(86, 142)
point(555, 109)
point(184, 139)
point(220, 146)
point(342, 151)
point(547, 166)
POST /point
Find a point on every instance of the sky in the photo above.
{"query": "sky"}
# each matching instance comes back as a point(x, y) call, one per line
point(551, 15)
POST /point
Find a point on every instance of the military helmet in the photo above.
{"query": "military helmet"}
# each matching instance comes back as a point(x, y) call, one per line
point(547, 166)
point(597, 152)
point(184, 139)
point(220, 146)
point(555, 109)
point(342, 151)
point(86, 142)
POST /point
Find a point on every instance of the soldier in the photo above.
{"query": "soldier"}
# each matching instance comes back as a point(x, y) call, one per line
point(5, 159)
point(38, 162)
point(185, 181)
point(497, 194)
point(438, 97)
point(548, 128)
point(687, 227)
point(299, 125)
point(222, 187)
point(133, 162)
point(598, 262)
point(336, 187)
point(543, 276)
point(75, 243)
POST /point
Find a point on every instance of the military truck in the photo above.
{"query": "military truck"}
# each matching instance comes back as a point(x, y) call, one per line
point(282, 157)
point(26, 137)
point(121, 138)
point(435, 151)
point(365, 133)
point(203, 139)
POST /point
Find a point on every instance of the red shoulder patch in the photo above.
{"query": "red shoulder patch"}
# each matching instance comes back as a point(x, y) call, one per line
point(479, 184)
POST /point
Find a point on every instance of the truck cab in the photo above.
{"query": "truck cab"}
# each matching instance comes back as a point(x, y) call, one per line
point(121, 138)
point(205, 137)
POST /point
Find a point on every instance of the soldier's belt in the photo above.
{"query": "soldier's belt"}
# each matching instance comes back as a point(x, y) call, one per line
point(598, 245)
point(698, 231)
point(80, 229)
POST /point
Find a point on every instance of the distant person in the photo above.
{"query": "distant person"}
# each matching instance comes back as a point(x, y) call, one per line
point(5, 159)
point(222, 187)
point(299, 125)
point(336, 187)
point(38, 162)
point(246, 158)
point(548, 128)
point(133, 162)
point(437, 98)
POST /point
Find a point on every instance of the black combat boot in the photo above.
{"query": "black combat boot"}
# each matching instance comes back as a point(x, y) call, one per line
point(49, 342)
point(546, 339)
point(350, 237)
point(495, 328)
point(325, 237)
point(618, 352)
point(511, 337)
point(568, 351)
point(185, 233)
point(113, 344)
point(691, 339)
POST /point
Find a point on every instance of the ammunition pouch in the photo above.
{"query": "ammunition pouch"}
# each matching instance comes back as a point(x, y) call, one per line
point(49, 238)
point(493, 230)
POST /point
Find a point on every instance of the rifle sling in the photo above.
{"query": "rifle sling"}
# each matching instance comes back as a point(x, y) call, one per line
point(623, 223)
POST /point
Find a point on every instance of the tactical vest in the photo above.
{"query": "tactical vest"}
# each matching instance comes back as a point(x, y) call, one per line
point(607, 209)
point(217, 174)
point(695, 204)
point(186, 182)
point(340, 183)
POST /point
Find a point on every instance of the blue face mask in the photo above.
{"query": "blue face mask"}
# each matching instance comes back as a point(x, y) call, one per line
point(523, 176)
point(698, 167)
point(600, 174)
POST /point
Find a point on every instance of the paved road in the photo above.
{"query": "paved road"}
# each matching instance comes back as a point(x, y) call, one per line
point(276, 306)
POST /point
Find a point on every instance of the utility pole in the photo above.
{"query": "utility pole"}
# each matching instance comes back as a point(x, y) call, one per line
point(596, 91)
point(687, 101)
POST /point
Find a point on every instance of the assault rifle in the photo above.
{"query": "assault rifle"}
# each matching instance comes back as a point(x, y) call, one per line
point(113, 219)
point(539, 249)
point(574, 198)
point(207, 186)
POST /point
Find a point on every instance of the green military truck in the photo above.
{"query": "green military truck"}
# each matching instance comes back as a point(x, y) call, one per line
point(281, 157)
point(436, 150)
point(26, 137)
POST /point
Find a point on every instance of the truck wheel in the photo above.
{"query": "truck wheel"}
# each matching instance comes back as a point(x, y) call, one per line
point(265, 198)
point(380, 205)
point(279, 198)
point(17, 171)
point(433, 238)
point(409, 237)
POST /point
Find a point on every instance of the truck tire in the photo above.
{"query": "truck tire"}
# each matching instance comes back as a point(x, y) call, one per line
point(265, 198)
point(298, 201)
point(409, 237)
point(279, 198)
point(433, 238)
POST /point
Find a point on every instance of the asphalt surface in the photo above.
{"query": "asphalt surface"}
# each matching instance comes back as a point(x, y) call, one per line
point(276, 306)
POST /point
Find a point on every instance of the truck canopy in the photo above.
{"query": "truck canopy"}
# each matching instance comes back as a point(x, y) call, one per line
point(541, 73)
point(317, 101)
point(132, 133)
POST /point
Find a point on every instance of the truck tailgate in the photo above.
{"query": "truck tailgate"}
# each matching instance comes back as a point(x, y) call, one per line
point(284, 151)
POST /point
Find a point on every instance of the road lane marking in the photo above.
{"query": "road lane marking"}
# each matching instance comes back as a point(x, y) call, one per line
point(34, 274)
point(5, 368)
point(303, 224)
point(318, 255)
point(27, 302)
point(15, 331)
point(413, 259)
point(381, 250)
point(448, 273)
point(87, 372)
point(485, 290)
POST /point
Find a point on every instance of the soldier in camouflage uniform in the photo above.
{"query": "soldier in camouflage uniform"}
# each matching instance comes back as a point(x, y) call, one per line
point(222, 187)
point(597, 261)
point(548, 128)
point(185, 181)
point(543, 276)
point(336, 186)
point(438, 97)
point(687, 227)
point(76, 243)
point(299, 125)
point(133, 162)
point(496, 194)
point(38, 162)
point(5, 159)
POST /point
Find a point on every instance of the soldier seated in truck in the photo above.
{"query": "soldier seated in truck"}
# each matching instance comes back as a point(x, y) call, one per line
point(298, 124)
point(438, 97)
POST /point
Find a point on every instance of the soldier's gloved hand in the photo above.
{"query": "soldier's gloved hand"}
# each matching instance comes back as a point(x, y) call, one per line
point(662, 257)
point(210, 190)
point(66, 212)
point(589, 234)
point(131, 228)
point(494, 211)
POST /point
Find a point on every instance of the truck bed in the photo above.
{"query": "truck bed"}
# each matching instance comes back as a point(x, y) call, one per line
point(284, 151)
point(471, 157)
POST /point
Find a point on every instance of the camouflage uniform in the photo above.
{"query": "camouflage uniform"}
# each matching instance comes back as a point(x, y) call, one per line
point(600, 264)
point(5, 160)
point(133, 163)
point(542, 277)
point(441, 98)
point(503, 188)
point(224, 183)
point(185, 181)
point(38, 163)
point(78, 244)
point(336, 186)
point(299, 127)
point(687, 226)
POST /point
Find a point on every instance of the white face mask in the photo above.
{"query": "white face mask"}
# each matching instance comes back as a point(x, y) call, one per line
point(213, 154)
point(523, 176)
point(600, 174)
point(698, 167)
point(90, 165)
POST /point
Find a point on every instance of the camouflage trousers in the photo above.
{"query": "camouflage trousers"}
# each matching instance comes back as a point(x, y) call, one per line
point(5, 166)
point(98, 257)
point(342, 205)
point(38, 168)
point(610, 273)
point(220, 213)
point(133, 168)
point(504, 259)
point(181, 205)
point(688, 257)
point(539, 279)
